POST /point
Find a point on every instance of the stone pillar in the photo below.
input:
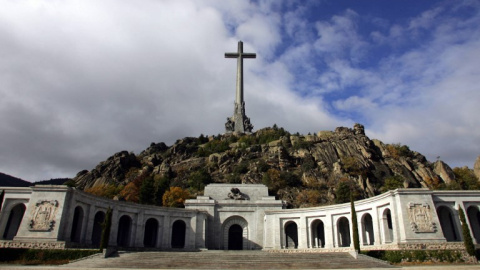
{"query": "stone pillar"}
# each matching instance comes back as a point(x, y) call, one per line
point(114, 228)
point(139, 229)
point(302, 233)
point(90, 223)
point(376, 228)
point(329, 227)
point(167, 231)
point(85, 224)
point(160, 231)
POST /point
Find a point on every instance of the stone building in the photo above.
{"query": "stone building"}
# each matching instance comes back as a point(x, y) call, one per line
point(237, 216)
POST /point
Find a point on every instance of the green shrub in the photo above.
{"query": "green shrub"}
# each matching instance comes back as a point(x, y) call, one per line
point(39, 256)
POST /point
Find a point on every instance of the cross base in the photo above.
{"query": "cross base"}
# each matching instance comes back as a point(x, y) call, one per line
point(239, 122)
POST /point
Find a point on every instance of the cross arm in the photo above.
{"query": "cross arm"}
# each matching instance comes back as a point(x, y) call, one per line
point(231, 55)
point(249, 55)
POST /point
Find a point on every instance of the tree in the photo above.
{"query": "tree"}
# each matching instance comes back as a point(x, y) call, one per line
point(467, 237)
point(393, 182)
point(147, 191)
point(162, 183)
point(175, 197)
point(106, 224)
point(308, 198)
point(198, 179)
point(107, 191)
point(273, 180)
point(356, 240)
point(345, 188)
point(466, 178)
point(353, 166)
point(130, 192)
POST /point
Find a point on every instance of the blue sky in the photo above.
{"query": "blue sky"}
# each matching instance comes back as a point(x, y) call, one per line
point(81, 80)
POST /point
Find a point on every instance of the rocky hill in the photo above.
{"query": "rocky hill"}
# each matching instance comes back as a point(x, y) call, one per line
point(304, 170)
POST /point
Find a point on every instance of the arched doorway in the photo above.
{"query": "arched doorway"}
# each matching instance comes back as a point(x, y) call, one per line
point(235, 237)
point(343, 227)
point(235, 233)
point(14, 221)
point(97, 228)
point(474, 219)
point(367, 230)
point(178, 234)
point(151, 231)
point(318, 234)
point(291, 235)
point(447, 222)
point(124, 226)
point(76, 232)
point(387, 226)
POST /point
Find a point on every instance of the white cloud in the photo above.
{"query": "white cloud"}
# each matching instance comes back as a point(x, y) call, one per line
point(81, 80)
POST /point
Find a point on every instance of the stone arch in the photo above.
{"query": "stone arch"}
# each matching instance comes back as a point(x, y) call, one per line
point(235, 233)
point(179, 228)
point(474, 220)
point(151, 233)
point(291, 235)
point(14, 221)
point(367, 230)
point(318, 234)
point(124, 228)
point(97, 228)
point(387, 226)
point(343, 227)
point(447, 222)
point(76, 233)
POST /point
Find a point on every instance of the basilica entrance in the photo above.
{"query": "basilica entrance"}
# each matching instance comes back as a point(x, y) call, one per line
point(235, 237)
point(235, 233)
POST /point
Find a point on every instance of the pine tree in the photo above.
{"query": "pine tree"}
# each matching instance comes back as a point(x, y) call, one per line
point(467, 238)
point(106, 224)
point(147, 191)
point(356, 241)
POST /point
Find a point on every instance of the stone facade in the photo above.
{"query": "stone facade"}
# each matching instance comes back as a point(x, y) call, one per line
point(237, 216)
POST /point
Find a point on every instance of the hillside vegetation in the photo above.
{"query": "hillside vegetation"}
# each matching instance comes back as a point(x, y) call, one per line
point(303, 170)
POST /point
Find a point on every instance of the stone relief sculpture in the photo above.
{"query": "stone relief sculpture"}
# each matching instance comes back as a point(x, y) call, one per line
point(43, 217)
point(420, 215)
point(229, 125)
point(236, 194)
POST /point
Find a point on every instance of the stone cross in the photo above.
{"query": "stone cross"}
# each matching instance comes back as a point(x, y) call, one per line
point(239, 122)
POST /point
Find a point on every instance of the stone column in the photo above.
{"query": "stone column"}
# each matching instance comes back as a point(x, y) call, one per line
point(90, 223)
point(302, 233)
point(139, 230)
point(85, 224)
point(329, 231)
point(167, 231)
point(114, 228)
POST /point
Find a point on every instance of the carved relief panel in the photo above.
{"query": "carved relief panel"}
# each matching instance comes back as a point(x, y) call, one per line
point(43, 216)
point(420, 215)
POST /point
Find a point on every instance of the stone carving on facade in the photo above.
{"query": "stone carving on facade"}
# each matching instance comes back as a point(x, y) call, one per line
point(236, 194)
point(420, 215)
point(43, 217)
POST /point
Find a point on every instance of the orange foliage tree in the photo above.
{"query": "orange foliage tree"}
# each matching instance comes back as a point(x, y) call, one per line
point(130, 192)
point(175, 197)
point(107, 191)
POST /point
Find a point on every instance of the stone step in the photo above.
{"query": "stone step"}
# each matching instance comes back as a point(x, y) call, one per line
point(228, 260)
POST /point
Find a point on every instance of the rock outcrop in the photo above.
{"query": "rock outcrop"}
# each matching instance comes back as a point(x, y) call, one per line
point(303, 162)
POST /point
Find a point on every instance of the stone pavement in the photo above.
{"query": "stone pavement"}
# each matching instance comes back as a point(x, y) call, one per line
point(230, 260)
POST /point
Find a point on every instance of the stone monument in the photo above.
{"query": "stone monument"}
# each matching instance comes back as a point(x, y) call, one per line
point(239, 122)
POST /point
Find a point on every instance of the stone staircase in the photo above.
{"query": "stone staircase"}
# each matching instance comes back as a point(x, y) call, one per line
point(229, 260)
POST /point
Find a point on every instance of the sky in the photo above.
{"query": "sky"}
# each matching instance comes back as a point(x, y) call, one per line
point(82, 80)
